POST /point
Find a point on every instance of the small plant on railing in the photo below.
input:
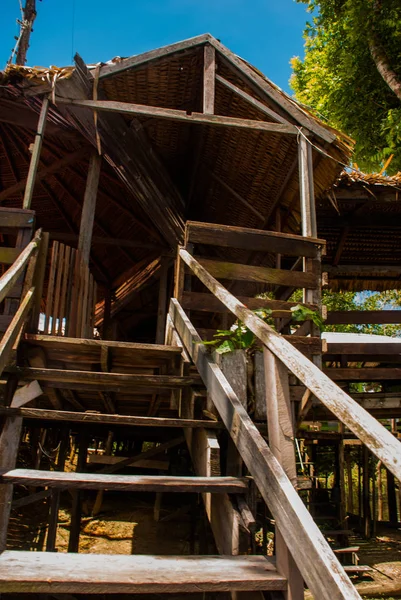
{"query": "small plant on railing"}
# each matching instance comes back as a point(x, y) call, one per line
point(303, 313)
point(238, 337)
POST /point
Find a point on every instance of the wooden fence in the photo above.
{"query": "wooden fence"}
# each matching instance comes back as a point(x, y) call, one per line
point(71, 295)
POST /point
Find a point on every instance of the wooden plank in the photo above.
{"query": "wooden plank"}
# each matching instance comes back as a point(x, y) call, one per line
point(363, 374)
point(26, 394)
point(162, 301)
point(281, 433)
point(88, 417)
point(50, 288)
point(57, 290)
point(63, 293)
point(75, 344)
point(10, 277)
point(7, 342)
point(364, 426)
point(31, 499)
point(138, 483)
point(209, 303)
point(37, 147)
point(56, 166)
point(233, 271)
point(99, 378)
point(142, 110)
point(40, 272)
point(314, 557)
point(365, 348)
point(97, 574)
point(209, 82)
point(358, 317)
point(89, 206)
point(9, 255)
point(255, 240)
point(9, 443)
point(16, 218)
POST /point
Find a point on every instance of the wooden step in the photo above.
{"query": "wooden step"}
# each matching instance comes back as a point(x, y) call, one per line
point(107, 419)
point(101, 381)
point(137, 483)
point(357, 569)
point(61, 573)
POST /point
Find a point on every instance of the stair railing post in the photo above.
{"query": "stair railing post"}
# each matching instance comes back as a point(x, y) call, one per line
point(281, 433)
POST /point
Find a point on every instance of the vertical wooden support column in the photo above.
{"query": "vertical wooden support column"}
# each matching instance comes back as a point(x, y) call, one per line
point(89, 207)
point(9, 443)
point(280, 425)
point(76, 510)
point(37, 146)
point(365, 485)
point(162, 305)
point(209, 81)
point(55, 495)
point(306, 187)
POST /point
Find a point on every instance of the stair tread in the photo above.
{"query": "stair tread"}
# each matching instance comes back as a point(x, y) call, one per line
point(46, 572)
point(99, 379)
point(144, 483)
point(107, 419)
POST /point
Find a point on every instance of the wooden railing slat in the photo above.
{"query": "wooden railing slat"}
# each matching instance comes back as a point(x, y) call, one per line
point(8, 280)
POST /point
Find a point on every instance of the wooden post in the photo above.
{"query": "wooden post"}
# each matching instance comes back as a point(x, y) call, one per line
point(9, 443)
point(37, 146)
point(38, 282)
point(76, 509)
point(350, 507)
point(55, 495)
point(89, 207)
point(280, 424)
point(209, 81)
point(162, 306)
point(366, 503)
point(306, 187)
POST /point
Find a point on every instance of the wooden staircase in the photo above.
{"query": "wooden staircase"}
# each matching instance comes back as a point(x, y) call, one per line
point(159, 387)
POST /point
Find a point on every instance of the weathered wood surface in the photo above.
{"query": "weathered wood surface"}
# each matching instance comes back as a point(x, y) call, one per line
point(209, 81)
point(306, 187)
point(139, 483)
point(363, 374)
point(112, 380)
point(227, 270)
point(364, 426)
point(209, 303)
point(9, 255)
point(10, 336)
point(9, 443)
point(106, 419)
point(37, 146)
point(89, 207)
point(255, 240)
point(142, 110)
point(10, 277)
point(26, 394)
point(16, 218)
point(37, 572)
point(358, 317)
point(314, 557)
point(367, 348)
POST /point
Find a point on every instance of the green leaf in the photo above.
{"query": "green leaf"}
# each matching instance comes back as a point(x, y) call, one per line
point(225, 347)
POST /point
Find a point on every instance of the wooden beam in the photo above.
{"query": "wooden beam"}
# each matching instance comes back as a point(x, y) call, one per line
point(37, 146)
point(10, 277)
point(368, 429)
point(89, 207)
point(363, 374)
point(105, 419)
point(236, 272)
point(256, 240)
point(162, 301)
point(109, 241)
point(209, 303)
point(107, 574)
point(318, 564)
point(172, 114)
point(138, 483)
point(358, 317)
point(26, 394)
point(238, 197)
point(251, 100)
point(8, 340)
point(209, 82)
point(43, 172)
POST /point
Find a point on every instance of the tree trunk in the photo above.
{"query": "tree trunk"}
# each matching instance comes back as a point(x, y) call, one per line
point(380, 57)
point(29, 15)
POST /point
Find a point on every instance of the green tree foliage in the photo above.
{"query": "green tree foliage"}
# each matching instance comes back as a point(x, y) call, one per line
point(351, 74)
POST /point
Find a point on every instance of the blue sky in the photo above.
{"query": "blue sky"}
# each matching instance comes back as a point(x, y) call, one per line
point(265, 32)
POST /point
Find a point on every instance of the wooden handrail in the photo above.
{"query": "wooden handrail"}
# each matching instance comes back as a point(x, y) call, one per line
point(315, 559)
point(8, 280)
point(376, 437)
point(6, 344)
